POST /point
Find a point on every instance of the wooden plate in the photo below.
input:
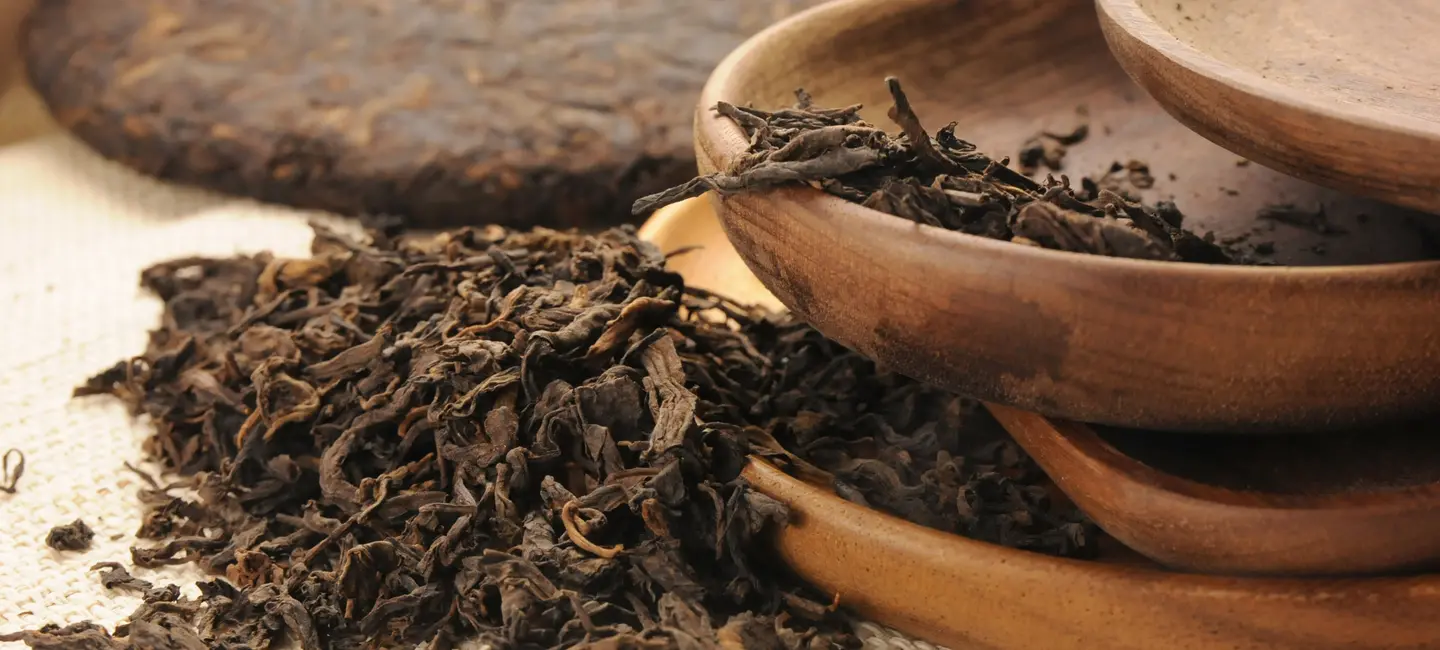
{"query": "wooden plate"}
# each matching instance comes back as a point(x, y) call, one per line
point(1358, 502)
point(1343, 93)
point(967, 594)
point(1153, 345)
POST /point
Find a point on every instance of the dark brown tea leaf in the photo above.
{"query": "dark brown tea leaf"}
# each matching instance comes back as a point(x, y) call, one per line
point(74, 536)
point(533, 439)
point(546, 112)
point(12, 467)
point(113, 575)
point(942, 181)
point(1048, 149)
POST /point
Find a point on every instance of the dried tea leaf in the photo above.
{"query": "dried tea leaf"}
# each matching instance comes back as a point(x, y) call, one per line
point(79, 636)
point(672, 405)
point(1048, 149)
point(113, 575)
point(529, 439)
point(939, 180)
point(1057, 228)
point(74, 536)
point(144, 634)
point(12, 467)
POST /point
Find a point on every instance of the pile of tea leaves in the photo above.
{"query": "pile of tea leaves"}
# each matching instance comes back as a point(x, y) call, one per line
point(533, 439)
point(941, 181)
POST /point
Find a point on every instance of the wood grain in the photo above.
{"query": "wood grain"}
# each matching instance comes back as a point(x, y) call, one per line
point(968, 594)
point(1161, 346)
point(1346, 94)
point(1362, 502)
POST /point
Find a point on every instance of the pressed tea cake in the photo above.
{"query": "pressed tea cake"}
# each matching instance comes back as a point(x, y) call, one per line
point(550, 112)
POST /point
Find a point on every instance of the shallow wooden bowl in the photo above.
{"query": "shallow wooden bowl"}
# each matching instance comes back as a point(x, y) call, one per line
point(1340, 92)
point(968, 594)
point(1154, 345)
point(1350, 503)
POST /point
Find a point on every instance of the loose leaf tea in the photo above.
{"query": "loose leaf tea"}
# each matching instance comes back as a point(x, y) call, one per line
point(530, 438)
point(912, 450)
point(1048, 149)
point(1121, 177)
point(74, 536)
point(12, 467)
point(942, 181)
point(114, 575)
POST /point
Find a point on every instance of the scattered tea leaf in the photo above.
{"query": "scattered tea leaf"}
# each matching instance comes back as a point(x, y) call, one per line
point(74, 536)
point(113, 575)
point(1121, 177)
point(79, 636)
point(1048, 149)
point(11, 470)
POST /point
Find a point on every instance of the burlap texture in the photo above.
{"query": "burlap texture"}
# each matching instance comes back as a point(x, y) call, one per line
point(77, 231)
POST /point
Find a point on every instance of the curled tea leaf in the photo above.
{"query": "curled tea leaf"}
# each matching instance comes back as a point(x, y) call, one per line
point(113, 575)
point(74, 536)
point(12, 467)
point(576, 531)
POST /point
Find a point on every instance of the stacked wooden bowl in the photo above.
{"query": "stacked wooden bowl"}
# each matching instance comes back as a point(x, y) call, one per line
point(1264, 436)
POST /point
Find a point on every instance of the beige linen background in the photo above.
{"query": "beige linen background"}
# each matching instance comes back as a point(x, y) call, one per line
point(77, 230)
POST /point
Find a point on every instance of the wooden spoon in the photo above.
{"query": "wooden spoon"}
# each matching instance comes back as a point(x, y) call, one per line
point(1153, 345)
point(1343, 93)
point(968, 594)
point(1349, 503)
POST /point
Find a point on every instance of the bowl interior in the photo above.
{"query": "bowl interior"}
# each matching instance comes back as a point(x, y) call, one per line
point(1369, 461)
point(1375, 54)
point(1006, 70)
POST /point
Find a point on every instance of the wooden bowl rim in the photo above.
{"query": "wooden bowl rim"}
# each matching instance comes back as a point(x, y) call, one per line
point(1083, 441)
point(1142, 27)
point(817, 502)
point(720, 141)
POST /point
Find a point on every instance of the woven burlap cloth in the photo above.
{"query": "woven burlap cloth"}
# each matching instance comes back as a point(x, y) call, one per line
point(77, 231)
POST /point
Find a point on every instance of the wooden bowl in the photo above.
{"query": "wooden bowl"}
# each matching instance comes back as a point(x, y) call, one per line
point(1343, 93)
point(1350, 503)
point(1153, 345)
point(968, 594)
point(1356, 502)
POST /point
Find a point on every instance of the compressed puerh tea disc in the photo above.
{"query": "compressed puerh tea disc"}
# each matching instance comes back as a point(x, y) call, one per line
point(520, 112)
